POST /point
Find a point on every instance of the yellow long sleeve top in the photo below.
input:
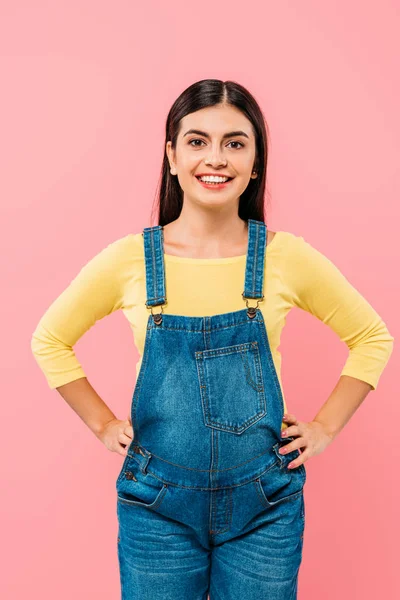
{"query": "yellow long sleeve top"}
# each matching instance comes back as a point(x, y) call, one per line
point(296, 274)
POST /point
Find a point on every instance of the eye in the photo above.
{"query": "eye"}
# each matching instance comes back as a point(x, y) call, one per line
point(240, 143)
point(198, 140)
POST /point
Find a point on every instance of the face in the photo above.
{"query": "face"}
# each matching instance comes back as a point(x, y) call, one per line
point(205, 145)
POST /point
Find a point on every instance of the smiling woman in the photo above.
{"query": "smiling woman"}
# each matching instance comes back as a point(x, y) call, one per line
point(230, 161)
point(206, 292)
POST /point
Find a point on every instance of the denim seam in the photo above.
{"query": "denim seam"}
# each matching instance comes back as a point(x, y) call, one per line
point(271, 363)
point(135, 457)
point(255, 261)
point(212, 489)
point(139, 380)
point(153, 258)
point(228, 516)
point(214, 328)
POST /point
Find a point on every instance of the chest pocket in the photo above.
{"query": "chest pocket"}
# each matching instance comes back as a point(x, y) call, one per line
point(231, 386)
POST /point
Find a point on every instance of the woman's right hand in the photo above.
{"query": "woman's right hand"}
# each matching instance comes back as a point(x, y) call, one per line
point(117, 435)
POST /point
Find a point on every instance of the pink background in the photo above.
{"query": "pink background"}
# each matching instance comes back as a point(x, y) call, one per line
point(86, 87)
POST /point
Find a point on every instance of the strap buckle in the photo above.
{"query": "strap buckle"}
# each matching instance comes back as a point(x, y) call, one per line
point(252, 310)
point(157, 317)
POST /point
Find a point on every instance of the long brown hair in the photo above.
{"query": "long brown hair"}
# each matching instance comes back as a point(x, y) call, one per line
point(204, 93)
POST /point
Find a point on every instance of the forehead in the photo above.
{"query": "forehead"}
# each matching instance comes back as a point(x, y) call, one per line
point(217, 120)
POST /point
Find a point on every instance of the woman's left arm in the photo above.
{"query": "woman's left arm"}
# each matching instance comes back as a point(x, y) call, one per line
point(342, 403)
point(321, 289)
point(340, 406)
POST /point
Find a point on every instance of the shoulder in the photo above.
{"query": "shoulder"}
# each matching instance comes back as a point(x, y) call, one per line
point(129, 246)
point(284, 241)
point(117, 256)
point(293, 252)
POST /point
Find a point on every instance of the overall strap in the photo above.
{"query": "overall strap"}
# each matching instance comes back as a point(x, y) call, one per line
point(154, 264)
point(254, 276)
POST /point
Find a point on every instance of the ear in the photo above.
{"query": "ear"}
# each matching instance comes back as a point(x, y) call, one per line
point(170, 154)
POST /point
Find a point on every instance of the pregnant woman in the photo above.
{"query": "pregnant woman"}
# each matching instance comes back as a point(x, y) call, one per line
point(210, 493)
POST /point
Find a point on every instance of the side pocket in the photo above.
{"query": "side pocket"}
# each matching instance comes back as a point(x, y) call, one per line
point(136, 488)
point(279, 484)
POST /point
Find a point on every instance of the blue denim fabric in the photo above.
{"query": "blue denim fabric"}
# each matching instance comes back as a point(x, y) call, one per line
point(206, 505)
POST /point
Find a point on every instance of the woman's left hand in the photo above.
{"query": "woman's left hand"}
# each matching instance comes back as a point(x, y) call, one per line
point(311, 436)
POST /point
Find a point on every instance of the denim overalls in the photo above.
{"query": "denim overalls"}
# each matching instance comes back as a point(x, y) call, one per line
point(206, 505)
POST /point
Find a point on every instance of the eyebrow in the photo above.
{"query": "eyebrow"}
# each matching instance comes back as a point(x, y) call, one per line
point(226, 135)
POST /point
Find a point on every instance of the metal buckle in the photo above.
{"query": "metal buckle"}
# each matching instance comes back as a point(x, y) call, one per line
point(252, 310)
point(157, 317)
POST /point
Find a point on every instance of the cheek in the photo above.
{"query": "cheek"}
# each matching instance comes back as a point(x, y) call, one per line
point(188, 166)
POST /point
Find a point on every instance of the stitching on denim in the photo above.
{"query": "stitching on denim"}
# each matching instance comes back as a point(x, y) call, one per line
point(216, 450)
point(210, 511)
point(228, 515)
point(202, 331)
point(255, 259)
point(153, 258)
point(225, 350)
point(247, 257)
point(163, 286)
point(245, 425)
point(213, 509)
point(271, 363)
point(156, 298)
point(251, 479)
point(134, 456)
point(139, 380)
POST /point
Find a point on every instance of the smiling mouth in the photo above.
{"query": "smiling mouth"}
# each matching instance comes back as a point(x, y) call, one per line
point(226, 180)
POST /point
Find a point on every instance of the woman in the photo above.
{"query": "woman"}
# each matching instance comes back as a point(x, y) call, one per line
point(210, 494)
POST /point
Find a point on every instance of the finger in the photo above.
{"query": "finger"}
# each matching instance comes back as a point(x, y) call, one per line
point(129, 431)
point(290, 431)
point(298, 461)
point(129, 419)
point(121, 450)
point(296, 444)
point(124, 439)
point(289, 418)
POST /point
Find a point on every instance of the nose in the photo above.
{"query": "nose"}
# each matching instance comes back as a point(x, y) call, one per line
point(215, 159)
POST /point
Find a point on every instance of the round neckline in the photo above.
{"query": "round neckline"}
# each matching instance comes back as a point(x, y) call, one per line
point(212, 261)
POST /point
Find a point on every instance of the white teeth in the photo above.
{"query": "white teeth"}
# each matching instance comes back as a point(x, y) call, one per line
point(214, 179)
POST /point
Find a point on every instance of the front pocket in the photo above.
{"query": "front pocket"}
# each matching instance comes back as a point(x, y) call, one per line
point(280, 484)
point(139, 489)
point(231, 386)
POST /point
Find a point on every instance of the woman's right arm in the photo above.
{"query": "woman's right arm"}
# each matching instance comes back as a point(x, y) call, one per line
point(95, 413)
point(97, 291)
